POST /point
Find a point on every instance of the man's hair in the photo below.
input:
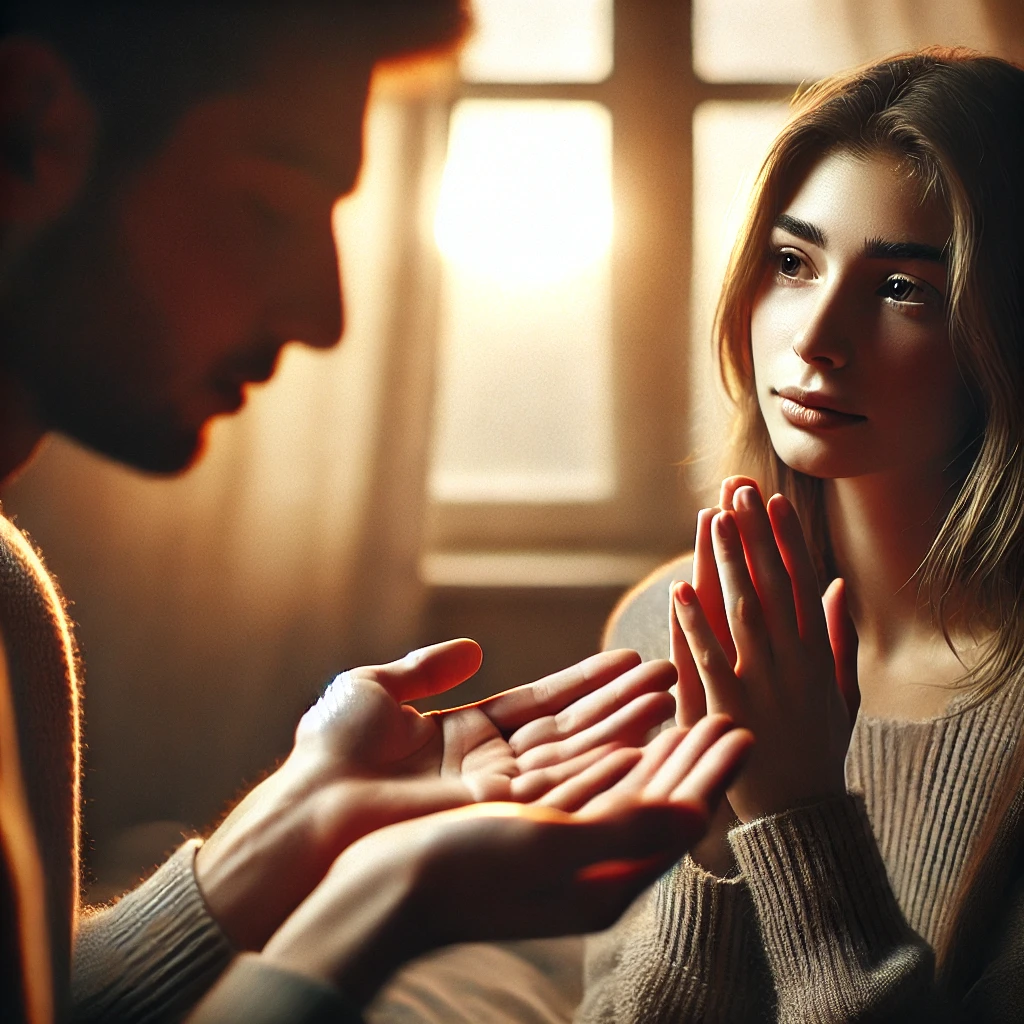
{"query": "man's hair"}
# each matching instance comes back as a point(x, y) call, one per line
point(143, 62)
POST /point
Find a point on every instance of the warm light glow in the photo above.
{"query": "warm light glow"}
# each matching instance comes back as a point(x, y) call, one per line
point(793, 40)
point(539, 41)
point(526, 193)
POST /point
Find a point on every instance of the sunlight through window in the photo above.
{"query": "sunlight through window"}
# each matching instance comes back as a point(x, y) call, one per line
point(526, 192)
point(539, 41)
point(524, 224)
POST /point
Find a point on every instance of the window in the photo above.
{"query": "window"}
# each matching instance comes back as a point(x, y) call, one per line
point(599, 159)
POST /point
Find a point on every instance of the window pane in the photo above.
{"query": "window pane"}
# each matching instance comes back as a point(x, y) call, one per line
point(539, 41)
point(729, 143)
point(524, 225)
point(795, 40)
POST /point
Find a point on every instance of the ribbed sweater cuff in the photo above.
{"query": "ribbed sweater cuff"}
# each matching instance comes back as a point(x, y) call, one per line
point(688, 950)
point(257, 993)
point(833, 931)
point(153, 954)
point(700, 917)
point(707, 928)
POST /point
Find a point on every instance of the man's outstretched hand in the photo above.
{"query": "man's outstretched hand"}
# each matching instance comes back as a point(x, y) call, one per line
point(363, 759)
point(493, 871)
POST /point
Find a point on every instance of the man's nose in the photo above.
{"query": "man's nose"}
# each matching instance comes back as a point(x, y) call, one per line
point(823, 339)
point(312, 307)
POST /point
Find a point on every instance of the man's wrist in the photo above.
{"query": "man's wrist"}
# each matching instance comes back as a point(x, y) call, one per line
point(260, 862)
point(354, 930)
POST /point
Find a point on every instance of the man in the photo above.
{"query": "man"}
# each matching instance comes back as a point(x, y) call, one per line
point(168, 176)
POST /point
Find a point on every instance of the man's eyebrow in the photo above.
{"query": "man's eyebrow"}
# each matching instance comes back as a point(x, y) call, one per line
point(877, 248)
point(802, 229)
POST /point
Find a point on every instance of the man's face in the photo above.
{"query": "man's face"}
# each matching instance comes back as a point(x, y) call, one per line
point(153, 304)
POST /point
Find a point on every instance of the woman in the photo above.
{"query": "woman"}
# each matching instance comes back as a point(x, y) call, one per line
point(870, 332)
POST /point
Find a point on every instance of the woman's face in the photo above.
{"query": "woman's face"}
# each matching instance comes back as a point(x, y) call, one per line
point(852, 360)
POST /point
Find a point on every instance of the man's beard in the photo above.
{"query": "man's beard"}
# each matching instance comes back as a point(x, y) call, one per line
point(79, 337)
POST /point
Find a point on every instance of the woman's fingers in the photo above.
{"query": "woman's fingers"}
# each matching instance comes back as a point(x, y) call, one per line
point(691, 704)
point(746, 620)
point(842, 635)
point(730, 485)
point(767, 570)
point(793, 549)
point(707, 583)
point(721, 687)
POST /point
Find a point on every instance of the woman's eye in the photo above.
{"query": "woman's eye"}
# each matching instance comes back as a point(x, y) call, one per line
point(789, 265)
point(901, 289)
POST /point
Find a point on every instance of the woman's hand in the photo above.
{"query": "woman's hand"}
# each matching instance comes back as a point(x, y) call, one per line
point(493, 871)
point(782, 682)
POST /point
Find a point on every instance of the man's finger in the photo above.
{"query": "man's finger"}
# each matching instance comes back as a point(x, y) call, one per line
point(706, 783)
point(592, 708)
point(429, 670)
point(628, 726)
point(532, 785)
point(514, 708)
point(582, 786)
point(630, 788)
point(685, 757)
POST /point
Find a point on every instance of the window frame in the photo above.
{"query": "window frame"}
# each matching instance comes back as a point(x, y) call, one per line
point(652, 94)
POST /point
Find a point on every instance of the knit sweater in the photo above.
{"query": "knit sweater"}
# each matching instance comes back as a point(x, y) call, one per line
point(837, 907)
point(152, 955)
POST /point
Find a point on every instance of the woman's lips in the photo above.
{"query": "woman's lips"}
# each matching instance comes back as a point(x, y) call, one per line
point(808, 410)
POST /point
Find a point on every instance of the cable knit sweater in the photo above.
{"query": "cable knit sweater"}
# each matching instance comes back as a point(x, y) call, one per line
point(152, 955)
point(837, 907)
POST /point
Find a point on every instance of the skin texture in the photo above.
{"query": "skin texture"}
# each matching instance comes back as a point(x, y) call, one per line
point(135, 307)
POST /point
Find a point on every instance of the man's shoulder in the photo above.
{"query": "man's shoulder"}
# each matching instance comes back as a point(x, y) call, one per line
point(640, 619)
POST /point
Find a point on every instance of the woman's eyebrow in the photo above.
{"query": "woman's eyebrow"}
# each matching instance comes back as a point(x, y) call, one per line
point(877, 248)
point(801, 229)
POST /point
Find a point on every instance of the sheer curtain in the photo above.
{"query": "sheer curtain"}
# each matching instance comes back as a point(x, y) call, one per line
point(211, 607)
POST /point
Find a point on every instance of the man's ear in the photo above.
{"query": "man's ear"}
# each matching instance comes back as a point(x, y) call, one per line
point(47, 134)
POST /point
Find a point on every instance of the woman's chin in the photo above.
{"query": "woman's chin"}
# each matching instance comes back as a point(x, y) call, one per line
point(811, 457)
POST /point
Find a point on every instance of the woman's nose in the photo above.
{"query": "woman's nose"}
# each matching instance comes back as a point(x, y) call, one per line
point(823, 339)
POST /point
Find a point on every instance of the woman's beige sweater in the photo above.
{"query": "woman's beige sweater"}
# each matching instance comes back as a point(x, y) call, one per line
point(837, 907)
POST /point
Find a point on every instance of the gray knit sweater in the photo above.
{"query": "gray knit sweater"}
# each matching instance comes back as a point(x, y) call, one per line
point(836, 907)
point(154, 954)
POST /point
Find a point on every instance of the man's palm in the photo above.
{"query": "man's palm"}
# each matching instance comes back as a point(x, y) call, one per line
point(517, 745)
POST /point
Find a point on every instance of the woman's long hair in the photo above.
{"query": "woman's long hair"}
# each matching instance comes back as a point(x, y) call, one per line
point(956, 120)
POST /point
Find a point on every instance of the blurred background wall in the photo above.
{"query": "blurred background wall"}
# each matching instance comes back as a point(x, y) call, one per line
point(523, 418)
